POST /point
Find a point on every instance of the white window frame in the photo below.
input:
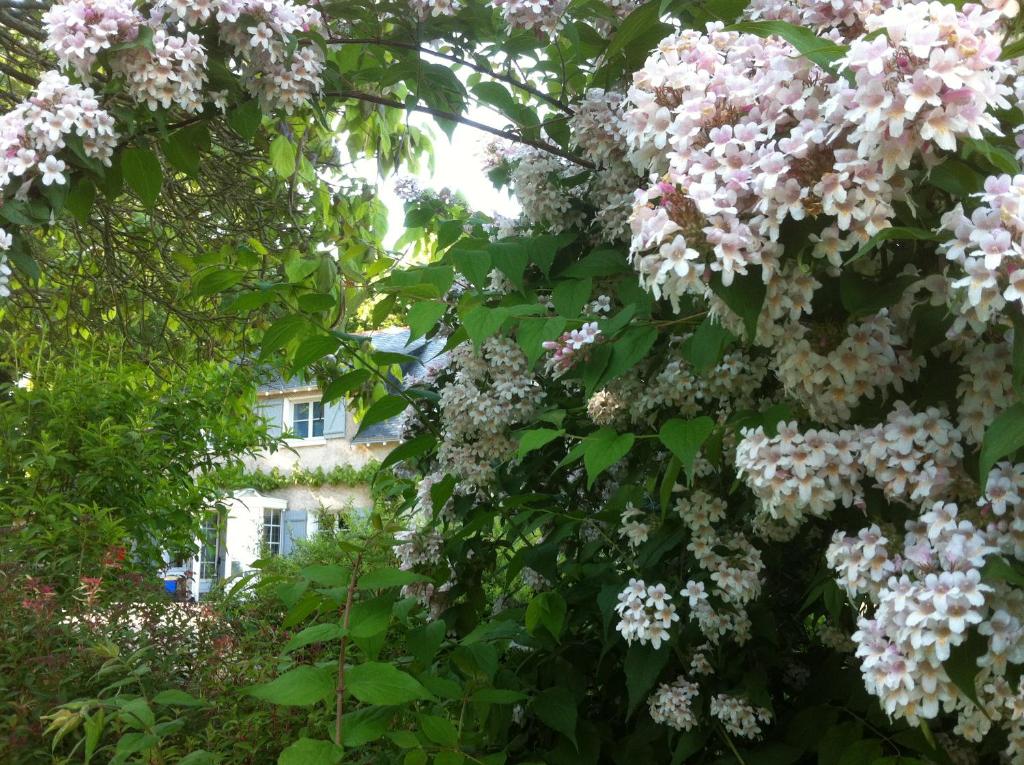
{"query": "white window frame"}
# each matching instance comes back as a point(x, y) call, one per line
point(276, 521)
point(288, 418)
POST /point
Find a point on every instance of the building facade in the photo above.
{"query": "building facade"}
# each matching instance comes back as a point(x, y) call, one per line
point(293, 491)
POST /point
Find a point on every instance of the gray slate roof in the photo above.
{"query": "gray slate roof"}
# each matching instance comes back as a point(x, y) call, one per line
point(390, 340)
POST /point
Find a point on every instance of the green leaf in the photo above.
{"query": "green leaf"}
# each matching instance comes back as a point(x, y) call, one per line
point(1003, 437)
point(532, 333)
point(182, 148)
point(80, 199)
point(313, 349)
point(556, 708)
point(142, 173)
point(178, 698)
point(546, 609)
point(346, 383)
point(571, 295)
point(899, 233)
point(863, 752)
point(309, 751)
point(1018, 350)
point(199, 757)
point(425, 641)
point(282, 157)
point(498, 696)
point(955, 177)
point(824, 53)
point(745, 296)
point(997, 156)
point(473, 262)
point(603, 449)
point(408, 450)
point(684, 439)
point(365, 725)
point(511, 259)
point(449, 757)
point(634, 26)
point(317, 633)
point(482, 323)
point(423, 316)
point(245, 119)
point(282, 332)
point(217, 281)
point(438, 730)
point(386, 578)
point(863, 296)
point(379, 683)
point(706, 346)
point(300, 687)
point(383, 409)
point(415, 757)
point(997, 569)
point(689, 744)
point(370, 618)
point(535, 439)
point(962, 665)
point(643, 665)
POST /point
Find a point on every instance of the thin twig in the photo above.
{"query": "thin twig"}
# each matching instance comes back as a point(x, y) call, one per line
point(339, 709)
point(440, 114)
point(457, 60)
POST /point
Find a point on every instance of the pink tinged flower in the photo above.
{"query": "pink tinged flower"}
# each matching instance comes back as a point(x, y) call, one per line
point(1015, 290)
point(941, 127)
point(923, 89)
point(53, 170)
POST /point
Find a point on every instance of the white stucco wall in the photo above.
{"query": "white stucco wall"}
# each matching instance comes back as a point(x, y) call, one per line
point(243, 532)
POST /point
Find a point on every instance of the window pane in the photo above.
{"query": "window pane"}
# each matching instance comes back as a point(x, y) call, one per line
point(301, 428)
point(301, 412)
point(318, 427)
point(318, 410)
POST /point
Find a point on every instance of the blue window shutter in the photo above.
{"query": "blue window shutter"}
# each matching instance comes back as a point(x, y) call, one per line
point(293, 527)
point(273, 412)
point(334, 419)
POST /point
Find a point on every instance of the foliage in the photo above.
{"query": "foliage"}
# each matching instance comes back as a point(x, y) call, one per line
point(720, 462)
point(339, 475)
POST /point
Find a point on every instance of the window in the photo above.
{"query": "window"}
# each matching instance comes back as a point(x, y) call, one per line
point(308, 419)
point(209, 538)
point(272, 531)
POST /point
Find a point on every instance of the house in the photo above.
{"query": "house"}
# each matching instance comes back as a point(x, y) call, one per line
point(318, 474)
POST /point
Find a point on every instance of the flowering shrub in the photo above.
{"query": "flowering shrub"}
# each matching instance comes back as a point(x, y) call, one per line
point(721, 459)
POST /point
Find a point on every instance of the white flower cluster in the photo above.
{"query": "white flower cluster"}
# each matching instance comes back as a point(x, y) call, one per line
point(924, 604)
point(6, 240)
point(638, 397)
point(731, 564)
point(38, 129)
point(542, 15)
point(490, 392)
point(570, 348)
point(646, 613)
point(170, 67)
point(672, 704)
point(544, 202)
point(634, 526)
point(173, 73)
point(986, 386)
point(869, 360)
point(598, 127)
point(744, 133)
point(911, 456)
point(424, 9)
point(738, 716)
point(988, 248)
point(795, 474)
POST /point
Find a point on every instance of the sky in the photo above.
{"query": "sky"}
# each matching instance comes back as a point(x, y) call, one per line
point(458, 165)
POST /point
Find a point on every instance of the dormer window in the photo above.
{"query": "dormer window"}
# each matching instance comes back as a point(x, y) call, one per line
point(308, 419)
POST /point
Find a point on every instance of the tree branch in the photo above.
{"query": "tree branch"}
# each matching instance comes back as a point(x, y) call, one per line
point(457, 60)
point(440, 114)
point(339, 707)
